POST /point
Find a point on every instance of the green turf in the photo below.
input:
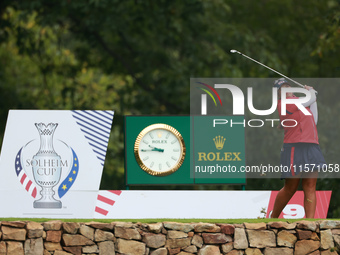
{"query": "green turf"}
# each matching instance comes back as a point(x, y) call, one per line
point(225, 221)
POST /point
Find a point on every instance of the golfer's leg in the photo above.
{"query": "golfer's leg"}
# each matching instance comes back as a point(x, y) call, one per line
point(284, 195)
point(309, 187)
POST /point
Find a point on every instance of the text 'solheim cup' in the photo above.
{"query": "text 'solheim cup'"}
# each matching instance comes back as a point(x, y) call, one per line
point(46, 166)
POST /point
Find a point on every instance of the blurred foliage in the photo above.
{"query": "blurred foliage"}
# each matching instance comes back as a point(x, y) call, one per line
point(136, 57)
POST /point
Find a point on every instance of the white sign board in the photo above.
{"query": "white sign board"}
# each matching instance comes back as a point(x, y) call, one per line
point(180, 204)
point(199, 204)
point(51, 161)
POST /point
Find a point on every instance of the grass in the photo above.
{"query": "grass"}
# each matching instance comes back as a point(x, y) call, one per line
point(225, 221)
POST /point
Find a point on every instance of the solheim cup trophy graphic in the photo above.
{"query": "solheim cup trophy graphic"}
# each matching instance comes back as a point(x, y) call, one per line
point(46, 166)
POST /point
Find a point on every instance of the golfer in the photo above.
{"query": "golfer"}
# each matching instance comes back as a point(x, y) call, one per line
point(300, 154)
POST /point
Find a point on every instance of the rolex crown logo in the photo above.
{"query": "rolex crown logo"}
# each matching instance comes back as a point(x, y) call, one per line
point(219, 142)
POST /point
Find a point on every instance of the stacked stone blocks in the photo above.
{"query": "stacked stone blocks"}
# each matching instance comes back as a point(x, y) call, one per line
point(168, 238)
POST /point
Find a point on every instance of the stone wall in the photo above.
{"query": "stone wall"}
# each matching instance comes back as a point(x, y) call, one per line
point(61, 238)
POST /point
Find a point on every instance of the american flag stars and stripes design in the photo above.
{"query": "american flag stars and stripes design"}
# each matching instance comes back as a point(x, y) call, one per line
point(71, 177)
point(23, 178)
point(96, 127)
point(105, 200)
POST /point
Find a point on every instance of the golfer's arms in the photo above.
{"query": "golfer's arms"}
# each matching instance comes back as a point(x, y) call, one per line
point(312, 105)
point(314, 109)
point(312, 98)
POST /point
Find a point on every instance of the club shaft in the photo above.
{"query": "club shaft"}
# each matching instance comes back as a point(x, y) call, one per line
point(235, 51)
point(269, 68)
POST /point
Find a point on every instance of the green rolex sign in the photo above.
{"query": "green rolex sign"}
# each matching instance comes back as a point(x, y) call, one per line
point(218, 149)
point(184, 150)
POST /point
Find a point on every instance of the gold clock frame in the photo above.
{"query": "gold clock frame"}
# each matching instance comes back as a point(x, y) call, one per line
point(175, 133)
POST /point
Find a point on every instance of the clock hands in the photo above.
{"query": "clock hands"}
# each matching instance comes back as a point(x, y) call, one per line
point(153, 149)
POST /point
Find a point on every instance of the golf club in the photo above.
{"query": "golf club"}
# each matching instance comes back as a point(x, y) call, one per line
point(235, 51)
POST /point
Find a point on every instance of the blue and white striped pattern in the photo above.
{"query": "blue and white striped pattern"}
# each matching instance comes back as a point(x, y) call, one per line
point(96, 126)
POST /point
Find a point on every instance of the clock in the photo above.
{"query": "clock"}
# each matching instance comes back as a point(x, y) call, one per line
point(159, 149)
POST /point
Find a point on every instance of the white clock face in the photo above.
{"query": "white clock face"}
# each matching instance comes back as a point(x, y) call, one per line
point(160, 149)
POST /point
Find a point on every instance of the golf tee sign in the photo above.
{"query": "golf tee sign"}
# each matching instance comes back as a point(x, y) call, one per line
point(51, 166)
point(49, 158)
